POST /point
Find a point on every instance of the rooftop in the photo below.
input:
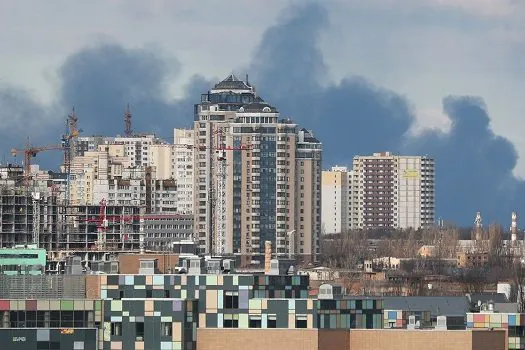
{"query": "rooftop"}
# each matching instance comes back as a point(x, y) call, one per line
point(438, 305)
point(232, 83)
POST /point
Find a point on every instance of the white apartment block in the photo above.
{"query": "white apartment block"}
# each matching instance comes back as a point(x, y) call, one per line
point(137, 148)
point(391, 191)
point(108, 174)
point(167, 162)
point(335, 200)
point(182, 168)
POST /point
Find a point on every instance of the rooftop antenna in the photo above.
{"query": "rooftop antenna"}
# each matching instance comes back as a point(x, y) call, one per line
point(127, 121)
point(247, 82)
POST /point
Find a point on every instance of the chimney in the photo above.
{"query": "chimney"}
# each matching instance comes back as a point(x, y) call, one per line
point(478, 228)
point(267, 256)
point(514, 227)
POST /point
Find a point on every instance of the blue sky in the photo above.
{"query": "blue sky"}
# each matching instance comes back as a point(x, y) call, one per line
point(381, 62)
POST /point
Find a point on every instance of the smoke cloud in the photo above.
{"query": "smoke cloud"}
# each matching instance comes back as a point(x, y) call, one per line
point(473, 165)
point(353, 117)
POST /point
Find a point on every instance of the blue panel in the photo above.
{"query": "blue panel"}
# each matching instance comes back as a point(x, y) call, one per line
point(512, 320)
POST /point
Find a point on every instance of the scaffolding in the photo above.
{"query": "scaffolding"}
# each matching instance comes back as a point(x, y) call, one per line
point(28, 218)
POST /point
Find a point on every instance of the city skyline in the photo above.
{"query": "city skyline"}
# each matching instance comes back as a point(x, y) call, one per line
point(304, 84)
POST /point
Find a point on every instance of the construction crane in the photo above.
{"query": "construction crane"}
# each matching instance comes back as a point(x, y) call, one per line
point(68, 141)
point(128, 131)
point(217, 204)
point(31, 152)
point(102, 226)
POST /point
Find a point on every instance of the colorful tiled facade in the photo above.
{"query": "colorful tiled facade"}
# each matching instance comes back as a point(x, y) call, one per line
point(166, 324)
point(514, 323)
point(48, 338)
point(400, 318)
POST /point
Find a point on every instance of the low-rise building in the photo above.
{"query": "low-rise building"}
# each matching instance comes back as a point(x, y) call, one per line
point(472, 259)
point(22, 260)
point(512, 323)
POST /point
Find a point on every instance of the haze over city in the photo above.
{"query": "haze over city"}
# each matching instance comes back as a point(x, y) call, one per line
point(439, 78)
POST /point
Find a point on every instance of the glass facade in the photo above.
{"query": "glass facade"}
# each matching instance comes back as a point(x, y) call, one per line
point(268, 191)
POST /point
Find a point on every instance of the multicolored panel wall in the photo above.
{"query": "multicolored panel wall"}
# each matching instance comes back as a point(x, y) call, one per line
point(514, 322)
point(50, 313)
point(349, 314)
point(48, 338)
point(257, 313)
point(394, 319)
point(190, 286)
point(156, 324)
point(400, 318)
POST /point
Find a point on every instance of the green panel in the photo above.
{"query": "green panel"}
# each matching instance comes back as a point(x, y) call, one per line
point(116, 305)
point(98, 305)
point(30, 259)
point(211, 280)
point(66, 305)
point(243, 321)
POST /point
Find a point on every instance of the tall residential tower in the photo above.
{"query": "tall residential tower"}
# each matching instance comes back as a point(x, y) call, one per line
point(392, 191)
point(381, 191)
point(257, 177)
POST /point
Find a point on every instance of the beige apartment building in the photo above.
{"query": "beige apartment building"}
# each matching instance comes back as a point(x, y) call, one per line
point(336, 187)
point(108, 174)
point(380, 191)
point(182, 168)
point(392, 191)
point(257, 177)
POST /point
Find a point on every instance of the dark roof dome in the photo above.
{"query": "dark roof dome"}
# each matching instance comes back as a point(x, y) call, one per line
point(232, 83)
point(258, 107)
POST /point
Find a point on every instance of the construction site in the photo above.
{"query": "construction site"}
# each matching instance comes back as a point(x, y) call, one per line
point(37, 208)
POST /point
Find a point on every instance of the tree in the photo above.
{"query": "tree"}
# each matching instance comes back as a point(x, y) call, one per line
point(472, 280)
point(519, 283)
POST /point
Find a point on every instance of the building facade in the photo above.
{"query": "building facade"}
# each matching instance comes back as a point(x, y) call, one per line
point(182, 168)
point(392, 191)
point(22, 260)
point(257, 177)
point(336, 187)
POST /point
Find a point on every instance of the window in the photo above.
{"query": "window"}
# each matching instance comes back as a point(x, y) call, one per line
point(231, 323)
point(149, 293)
point(272, 321)
point(116, 328)
point(166, 329)
point(139, 330)
point(300, 321)
point(231, 300)
point(254, 322)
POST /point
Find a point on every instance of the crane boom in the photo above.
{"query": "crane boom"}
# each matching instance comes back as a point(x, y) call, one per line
point(30, 152)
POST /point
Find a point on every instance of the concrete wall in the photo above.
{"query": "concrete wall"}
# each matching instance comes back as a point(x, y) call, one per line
point(428, 340)
point(257, 339)
point(129, 263)
point(355, 339)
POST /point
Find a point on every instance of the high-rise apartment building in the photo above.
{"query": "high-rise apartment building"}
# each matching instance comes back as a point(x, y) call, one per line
point(182, 168)
point(336, 190)
point(381, 191)
point(257, 177)
point(388, 190)
point(108, 174)
point(137, 148)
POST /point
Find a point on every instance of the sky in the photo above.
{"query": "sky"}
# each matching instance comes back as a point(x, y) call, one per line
point(435, 77)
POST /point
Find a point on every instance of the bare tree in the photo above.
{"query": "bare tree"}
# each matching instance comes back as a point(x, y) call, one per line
point(519, 283)
point(472, 280)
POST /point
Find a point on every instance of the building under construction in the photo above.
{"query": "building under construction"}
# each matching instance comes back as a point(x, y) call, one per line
point(38, 214)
